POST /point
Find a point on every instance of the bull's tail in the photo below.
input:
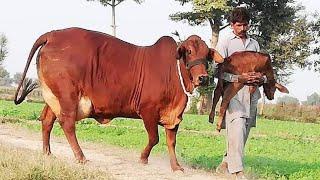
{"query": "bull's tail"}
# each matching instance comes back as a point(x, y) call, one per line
point(29, 85)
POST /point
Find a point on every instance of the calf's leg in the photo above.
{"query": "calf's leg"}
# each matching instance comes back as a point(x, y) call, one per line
point(230, 91)
point(216, 96)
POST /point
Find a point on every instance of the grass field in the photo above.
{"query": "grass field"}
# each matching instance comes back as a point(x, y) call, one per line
point(275, 150)
point(25, 164)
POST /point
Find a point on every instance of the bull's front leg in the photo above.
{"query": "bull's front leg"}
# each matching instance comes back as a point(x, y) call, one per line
point(171, 143)
point(150, 120)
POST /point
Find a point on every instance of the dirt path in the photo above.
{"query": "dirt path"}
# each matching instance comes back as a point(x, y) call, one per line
point(121, 163)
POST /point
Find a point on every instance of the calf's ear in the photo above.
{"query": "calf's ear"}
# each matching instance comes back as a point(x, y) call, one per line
point(215, 56)
point(281, 88)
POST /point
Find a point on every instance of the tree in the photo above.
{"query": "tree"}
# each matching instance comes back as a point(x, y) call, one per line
point(3, 48)
point(5, 79)
point(17, 77)
point(313, 99)
point(212, 12)
point(113, 4)
point(276, 25)
point(4, 73)
point(316, 31)
point(288, 100)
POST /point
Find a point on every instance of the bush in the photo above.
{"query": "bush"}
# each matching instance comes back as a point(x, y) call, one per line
point(299, 113)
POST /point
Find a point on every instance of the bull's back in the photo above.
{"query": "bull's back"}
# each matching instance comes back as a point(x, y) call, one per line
point(113, 78)
point(77, 57)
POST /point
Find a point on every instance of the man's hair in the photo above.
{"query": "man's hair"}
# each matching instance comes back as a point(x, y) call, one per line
point(239, 14)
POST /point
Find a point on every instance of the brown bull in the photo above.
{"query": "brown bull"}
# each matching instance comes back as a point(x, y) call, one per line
point(90, 74)
point(239, 63)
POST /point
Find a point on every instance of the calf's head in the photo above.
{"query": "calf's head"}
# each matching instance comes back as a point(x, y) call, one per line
point(270, 88)
point(195, 54)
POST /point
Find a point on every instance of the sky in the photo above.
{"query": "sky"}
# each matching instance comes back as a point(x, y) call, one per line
point(22, 22)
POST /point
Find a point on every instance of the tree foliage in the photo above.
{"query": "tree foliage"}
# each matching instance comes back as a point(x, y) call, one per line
point(277, 25)
point(4, 74)
point(288, 100)
point(3, 48)
point(17, 77)
point(313, 99)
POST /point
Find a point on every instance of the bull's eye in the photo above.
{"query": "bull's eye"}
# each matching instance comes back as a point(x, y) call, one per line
point(189, 51)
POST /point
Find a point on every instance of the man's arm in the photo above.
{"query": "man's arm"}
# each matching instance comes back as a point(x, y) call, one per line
point(251, 78)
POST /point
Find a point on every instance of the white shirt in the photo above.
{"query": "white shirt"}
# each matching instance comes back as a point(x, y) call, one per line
point(241, 105)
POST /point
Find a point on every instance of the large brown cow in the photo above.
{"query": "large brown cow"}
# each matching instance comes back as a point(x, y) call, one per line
point(239, 63)
point(90, 74)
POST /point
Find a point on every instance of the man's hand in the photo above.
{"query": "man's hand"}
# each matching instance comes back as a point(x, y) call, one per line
point(251, 78)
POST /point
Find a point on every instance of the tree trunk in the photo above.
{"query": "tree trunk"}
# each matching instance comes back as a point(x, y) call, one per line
point(113, 18)
point(215, 34)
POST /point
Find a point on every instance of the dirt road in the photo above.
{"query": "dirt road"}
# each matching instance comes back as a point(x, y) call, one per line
point(121, 163)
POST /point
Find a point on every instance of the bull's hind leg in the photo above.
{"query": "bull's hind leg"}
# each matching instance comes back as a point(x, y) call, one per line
point(47, 119)
point(151, 125)
point(67, 96)
point(229, 93)
point(67, 121)
point(171, 143)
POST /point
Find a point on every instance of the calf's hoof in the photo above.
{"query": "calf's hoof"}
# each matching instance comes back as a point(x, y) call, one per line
point(218, 128)
point(211, 118)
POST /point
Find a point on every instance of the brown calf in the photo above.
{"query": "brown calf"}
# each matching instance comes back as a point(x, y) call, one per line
point(239, 63)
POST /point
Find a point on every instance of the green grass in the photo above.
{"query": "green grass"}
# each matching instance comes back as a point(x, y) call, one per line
point(275, 150)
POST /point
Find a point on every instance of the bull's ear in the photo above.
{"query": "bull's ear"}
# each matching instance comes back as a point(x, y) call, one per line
point(281, 88)
point(215, 56)
point(180, 52)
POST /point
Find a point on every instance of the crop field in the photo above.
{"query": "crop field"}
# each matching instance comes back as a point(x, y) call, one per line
point(275, 150)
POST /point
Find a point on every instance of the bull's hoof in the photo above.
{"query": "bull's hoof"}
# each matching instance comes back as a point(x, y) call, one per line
point(143, 161)
point(47, 153)
point(82, 161)
point(177, 169)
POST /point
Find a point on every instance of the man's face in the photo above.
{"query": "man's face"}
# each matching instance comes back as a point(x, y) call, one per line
point(240, 28)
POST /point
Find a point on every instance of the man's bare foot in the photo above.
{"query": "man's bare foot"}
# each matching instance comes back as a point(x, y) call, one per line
point(222, 168)
point(240, 176)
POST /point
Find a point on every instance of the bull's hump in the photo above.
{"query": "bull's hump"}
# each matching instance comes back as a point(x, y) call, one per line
point(167, 40)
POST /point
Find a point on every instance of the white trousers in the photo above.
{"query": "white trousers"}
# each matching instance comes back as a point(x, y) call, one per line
point(237, 132)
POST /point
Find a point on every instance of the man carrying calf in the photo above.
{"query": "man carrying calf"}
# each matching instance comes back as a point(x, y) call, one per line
point(240, 63)
point(241, 112)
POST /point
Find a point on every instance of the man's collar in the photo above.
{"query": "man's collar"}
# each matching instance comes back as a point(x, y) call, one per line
point(233, 36)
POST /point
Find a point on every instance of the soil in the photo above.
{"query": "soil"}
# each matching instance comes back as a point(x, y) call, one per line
point(119, 162)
